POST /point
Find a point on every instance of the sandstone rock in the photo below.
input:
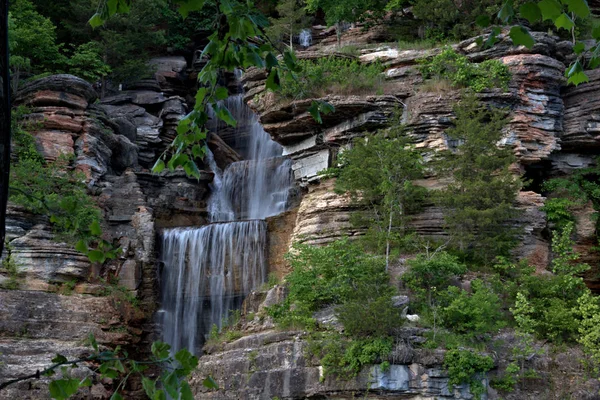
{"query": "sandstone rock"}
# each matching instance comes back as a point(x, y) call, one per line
point(324, 216)
point(269, 364)
point(582, 115)
point(57, 90)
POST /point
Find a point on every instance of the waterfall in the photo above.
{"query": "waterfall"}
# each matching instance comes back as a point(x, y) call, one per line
point(209, 270)
point(305, 38)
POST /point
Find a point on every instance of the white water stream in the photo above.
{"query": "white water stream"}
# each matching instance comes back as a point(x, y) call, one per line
point(209, 270)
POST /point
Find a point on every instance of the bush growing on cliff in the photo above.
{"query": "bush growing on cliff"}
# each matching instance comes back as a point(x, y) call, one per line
point(378, 172)
point(343, 276)
point(57, 190)
point(462, 73)
point(332, 75)
point(479, 202)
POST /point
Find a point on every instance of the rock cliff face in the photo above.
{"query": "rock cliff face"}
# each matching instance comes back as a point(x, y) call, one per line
point(553, 131)
point(61, 297)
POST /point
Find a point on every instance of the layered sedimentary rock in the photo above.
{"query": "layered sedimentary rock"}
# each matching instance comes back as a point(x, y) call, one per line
point(55, 296)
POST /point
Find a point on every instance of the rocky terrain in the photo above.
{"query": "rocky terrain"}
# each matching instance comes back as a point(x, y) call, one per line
point(554, 129)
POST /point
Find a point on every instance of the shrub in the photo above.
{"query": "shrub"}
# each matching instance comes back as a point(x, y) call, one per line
point(463, 73)
point(429, 272)
point(479, 202)
point(465, 367)
point(472, 314)
point(369, 315)
point(333, 75)
point(345, 358)
point(547, 305)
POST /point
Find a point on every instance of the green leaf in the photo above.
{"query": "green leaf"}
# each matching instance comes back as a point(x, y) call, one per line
point(575, 74)
point(116, 396)
point(95, 228)
point(314, 111)
point(186, 392)
point(186, 7)
point(149, 386)
point(86, 382)
point(160, 350)
point(579, 48)
point(171, 384)
point(564, 21)
point(159, 166)
point(96, 256)
point(521, 37)
point(221, 93)
point(191, 169)
point(198, 151)
point(200, 95)
point(551, 9)
point(531, 12)
point(224, 115)
point(96, 20)
point(271, 60)
point(596, 33)
point(507, 12)
point(187, 360)
point(59, 359)
point(483, 21)
point(594, 63)
point(81, 246)
point(273, 82)
point(210, 383)
point(579, 7)
point(92, 340)
point(62, 389)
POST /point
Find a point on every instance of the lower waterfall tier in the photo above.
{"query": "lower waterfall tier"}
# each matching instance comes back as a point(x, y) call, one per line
point(208, 271)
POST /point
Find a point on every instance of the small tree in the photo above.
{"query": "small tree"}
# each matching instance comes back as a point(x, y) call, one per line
point(479, 202)
point(378, 172)
point(292, 18)
point(337, 11)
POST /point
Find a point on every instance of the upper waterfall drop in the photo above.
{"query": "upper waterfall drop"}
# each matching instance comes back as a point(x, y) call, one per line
point(259, 186)
point(209, 270)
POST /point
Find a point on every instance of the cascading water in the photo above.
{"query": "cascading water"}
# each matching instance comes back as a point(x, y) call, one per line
point(305, 38)
point(209, 270)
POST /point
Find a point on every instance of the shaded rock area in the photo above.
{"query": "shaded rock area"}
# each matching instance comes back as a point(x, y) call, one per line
point(58, 295)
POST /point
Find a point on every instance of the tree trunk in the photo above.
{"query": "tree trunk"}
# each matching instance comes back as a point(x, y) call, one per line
point(387, 242)
point(4, 119)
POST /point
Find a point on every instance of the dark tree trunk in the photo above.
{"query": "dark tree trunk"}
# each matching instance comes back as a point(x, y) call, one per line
point(4, 118)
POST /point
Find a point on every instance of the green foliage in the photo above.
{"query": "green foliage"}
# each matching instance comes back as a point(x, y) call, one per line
point(457, 69)
point(453, 20)
point(432, 273)
point(56, 190)
point(566, 195)
point(341, 274)
point(329, 275)
point(86, 62)
point(344, 358)
point(291, 20)
point(546, 305)
point(116, 365)
point(588, 310)
point(34, 39)
point(378, 172)
point(329, 75)
point(369, 314)
point(479, 200)
point(507, 382)
point(473, 313)
point(466, 367)
point(11, 268)
point(347, 11)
